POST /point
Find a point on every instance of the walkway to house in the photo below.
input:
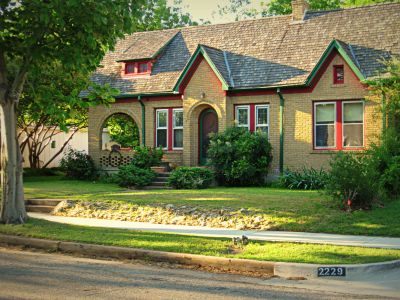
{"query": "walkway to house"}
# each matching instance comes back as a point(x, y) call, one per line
point(277, 236)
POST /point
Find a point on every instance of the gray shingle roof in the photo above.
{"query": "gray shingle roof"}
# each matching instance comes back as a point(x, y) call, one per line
point(220, 61)
point(265, 52)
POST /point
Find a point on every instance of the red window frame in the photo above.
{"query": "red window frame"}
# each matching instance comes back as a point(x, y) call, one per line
point(338, 126)
point(170, 116)
point(336, 80)
point(136, 66)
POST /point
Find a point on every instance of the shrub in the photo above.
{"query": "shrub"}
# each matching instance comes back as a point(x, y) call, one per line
point(306, 179)
point(239, 157)
point(31, 172)
point(133, 176)
point(78, 165)
point(350, 180)
point(190, 178)
point(146, 157)
point(384, 163)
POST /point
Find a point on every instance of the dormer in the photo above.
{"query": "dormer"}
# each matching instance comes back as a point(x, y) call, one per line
point(142, 50)
point(136, 68)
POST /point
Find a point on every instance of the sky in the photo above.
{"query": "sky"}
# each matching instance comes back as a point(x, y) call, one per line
point(208, 9)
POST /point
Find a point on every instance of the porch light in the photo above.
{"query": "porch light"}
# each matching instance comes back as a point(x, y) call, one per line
point(203, 95)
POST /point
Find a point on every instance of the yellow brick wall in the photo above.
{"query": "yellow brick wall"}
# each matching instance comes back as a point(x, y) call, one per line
point(97, 117)
point(298, 145)
point(204, 81)
point(204, 91)
point(273, 102)
point(151, 106)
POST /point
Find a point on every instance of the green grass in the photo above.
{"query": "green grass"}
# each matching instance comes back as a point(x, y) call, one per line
point(290, 210)
point(287, 252)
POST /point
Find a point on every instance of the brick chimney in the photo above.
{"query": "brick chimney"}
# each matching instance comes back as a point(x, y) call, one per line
point(299, 7)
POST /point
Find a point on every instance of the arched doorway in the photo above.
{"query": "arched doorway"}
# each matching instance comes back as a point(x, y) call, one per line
point(208, 123)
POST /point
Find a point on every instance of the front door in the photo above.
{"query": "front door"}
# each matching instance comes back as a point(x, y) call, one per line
point(208, 124)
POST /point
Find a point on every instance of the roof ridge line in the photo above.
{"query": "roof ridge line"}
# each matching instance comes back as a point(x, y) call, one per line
point(228, 68)
point(355, 59)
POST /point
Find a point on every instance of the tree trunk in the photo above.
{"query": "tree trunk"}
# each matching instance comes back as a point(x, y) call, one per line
point(12, 209)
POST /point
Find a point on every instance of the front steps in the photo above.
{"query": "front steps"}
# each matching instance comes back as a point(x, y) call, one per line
point(41, 205)
point(160, 182)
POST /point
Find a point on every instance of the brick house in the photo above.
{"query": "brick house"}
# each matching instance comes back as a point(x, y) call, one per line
point(297, 77)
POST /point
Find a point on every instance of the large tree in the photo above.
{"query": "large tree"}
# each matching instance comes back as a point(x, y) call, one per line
point(77, 34)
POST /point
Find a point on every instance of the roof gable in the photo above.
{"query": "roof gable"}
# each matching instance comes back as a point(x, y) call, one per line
point(345, 51)
point(263, 53)
point(214, 57)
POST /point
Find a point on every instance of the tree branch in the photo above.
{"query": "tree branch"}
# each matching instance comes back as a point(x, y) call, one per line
point(62, 148)
point(3, 78)
point(19, 80)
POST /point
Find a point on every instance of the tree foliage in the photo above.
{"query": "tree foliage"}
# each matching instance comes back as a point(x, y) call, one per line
point(123, 130)
point(50, 104)
point(386, 88)
point(283, 7)
point(158, 14)
point(74, 33)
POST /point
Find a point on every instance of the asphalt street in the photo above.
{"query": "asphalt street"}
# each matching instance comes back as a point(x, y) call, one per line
point(36, 275)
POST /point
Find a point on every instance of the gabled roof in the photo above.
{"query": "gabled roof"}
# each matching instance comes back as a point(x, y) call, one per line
point(215, 58)
point(146, 45)
point(347, 54)
point(266, 52)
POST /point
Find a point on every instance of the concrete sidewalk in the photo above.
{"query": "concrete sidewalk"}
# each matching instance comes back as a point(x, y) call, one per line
point(277, 236)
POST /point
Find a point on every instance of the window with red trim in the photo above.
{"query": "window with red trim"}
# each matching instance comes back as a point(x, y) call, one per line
point(254, 117)
point(142, 67)
point(169, 128)
point(338, 125)
point(137, 68)
point(129, 68)
point(338, 74)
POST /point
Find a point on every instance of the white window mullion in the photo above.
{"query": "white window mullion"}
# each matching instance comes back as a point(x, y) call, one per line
point(177, 129)
point(263, 122)
point(162, 126)
point(241, 121)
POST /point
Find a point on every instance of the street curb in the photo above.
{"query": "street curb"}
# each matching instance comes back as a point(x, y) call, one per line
point(232, 264)
point(281, 269)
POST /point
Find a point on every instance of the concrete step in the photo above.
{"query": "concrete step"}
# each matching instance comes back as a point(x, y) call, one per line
point(164, 174)
point(161, 179)
point(43, 202)
point(39, 208)
point(156, 187)
point(159, 183)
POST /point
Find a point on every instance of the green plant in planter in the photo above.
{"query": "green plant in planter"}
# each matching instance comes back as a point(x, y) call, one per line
point(191, 178)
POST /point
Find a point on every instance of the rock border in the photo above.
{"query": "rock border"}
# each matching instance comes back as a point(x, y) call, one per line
point(280, 269)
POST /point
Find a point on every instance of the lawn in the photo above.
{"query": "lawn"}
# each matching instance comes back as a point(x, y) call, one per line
point(287, 252)
point(307, 211)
